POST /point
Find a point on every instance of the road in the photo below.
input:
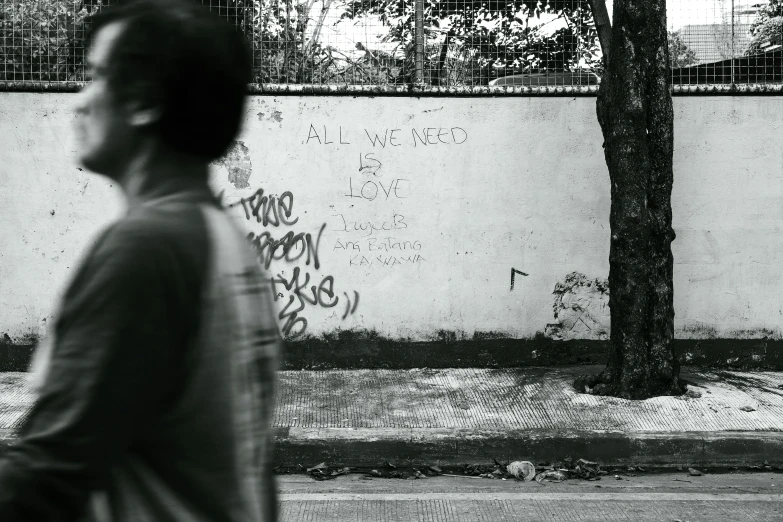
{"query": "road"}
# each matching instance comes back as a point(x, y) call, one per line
point(756, 497)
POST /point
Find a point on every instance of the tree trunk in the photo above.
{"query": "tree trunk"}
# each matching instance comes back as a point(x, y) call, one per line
point(635, 113)
point(439, 78)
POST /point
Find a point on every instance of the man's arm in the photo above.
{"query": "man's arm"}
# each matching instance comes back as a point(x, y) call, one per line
point(105, 378)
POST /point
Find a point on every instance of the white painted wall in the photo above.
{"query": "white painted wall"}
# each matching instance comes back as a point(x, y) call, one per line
point(527, 188)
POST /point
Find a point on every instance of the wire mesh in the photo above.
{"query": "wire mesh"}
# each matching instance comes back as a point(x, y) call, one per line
point(437, 44)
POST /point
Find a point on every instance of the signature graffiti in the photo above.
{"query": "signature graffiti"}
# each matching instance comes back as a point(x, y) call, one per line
point(348, 308)
point(295, 292)
point(290, 247)
point(268, 210)
point(384, 261)
point(300, 295)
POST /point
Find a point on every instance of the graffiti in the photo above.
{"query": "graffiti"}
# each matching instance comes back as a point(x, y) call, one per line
point(384, 261)
point(514, 271)
point(312, 134)
point(374, 244)
point(427, 136)
point(388, 135)
point(268, 210)
point(290, 247)
point(296, 293)
point(369, 164)
point(369, 189)
point(397, 222)
point(348, 308)
point(321, 295)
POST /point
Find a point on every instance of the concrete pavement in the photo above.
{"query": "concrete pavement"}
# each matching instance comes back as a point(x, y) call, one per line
point(650, 497)
point(447, 417)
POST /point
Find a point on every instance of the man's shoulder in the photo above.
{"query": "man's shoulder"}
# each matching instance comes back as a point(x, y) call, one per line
point(155, 232)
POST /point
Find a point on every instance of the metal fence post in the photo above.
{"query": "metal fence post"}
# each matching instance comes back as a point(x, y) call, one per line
point(419, 45)
point(733, 56)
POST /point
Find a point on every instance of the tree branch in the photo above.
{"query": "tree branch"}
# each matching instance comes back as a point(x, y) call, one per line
point(603, 25)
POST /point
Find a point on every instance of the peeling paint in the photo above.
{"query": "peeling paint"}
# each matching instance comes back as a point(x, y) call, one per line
point(237, 162)
point(581, 309)
point(276, 117)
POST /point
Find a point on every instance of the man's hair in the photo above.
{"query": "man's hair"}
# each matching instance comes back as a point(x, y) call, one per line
point(189, 62)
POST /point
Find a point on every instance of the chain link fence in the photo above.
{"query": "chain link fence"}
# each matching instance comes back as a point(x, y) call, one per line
point(435, 45)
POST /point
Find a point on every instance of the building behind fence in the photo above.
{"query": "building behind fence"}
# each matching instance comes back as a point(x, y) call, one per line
point(434, 44)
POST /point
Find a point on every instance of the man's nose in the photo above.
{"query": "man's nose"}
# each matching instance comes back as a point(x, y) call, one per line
point(80, 104)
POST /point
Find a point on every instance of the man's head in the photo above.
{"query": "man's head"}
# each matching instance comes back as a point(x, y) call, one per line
point(164, 71)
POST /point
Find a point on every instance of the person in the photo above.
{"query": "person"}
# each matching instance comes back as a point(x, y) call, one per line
point(155, 390)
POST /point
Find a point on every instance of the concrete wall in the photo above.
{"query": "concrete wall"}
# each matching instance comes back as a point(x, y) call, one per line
point(420, 235)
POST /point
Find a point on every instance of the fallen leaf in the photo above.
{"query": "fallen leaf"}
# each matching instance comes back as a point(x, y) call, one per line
point(748, 408)
point(320, 466)
point(555, 476)
point(695, 472)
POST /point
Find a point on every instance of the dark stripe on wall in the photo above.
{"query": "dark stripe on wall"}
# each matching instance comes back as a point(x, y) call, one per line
point(349, 350)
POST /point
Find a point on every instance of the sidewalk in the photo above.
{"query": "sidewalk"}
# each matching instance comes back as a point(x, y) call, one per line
point(361, 418)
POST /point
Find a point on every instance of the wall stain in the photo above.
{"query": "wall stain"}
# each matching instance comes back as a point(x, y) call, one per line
point(237, 162)
point(368, 349)
point(581, 309)
point(276, 117)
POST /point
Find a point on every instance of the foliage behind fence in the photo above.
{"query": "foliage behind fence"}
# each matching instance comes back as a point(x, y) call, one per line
point(461, 43)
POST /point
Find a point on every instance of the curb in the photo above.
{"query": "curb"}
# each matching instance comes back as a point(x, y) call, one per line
point(368, 448)
point(357, 448)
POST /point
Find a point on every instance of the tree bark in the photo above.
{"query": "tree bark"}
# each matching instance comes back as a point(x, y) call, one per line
point(603, 25)
point(634, 109)
point(440, 76)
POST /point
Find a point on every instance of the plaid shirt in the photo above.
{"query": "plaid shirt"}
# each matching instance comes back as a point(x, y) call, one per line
point(156, 389)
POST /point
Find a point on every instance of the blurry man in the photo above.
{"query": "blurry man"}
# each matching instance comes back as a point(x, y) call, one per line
point(155, 390)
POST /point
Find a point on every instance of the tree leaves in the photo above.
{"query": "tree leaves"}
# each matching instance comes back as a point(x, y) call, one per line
point(41, 41)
